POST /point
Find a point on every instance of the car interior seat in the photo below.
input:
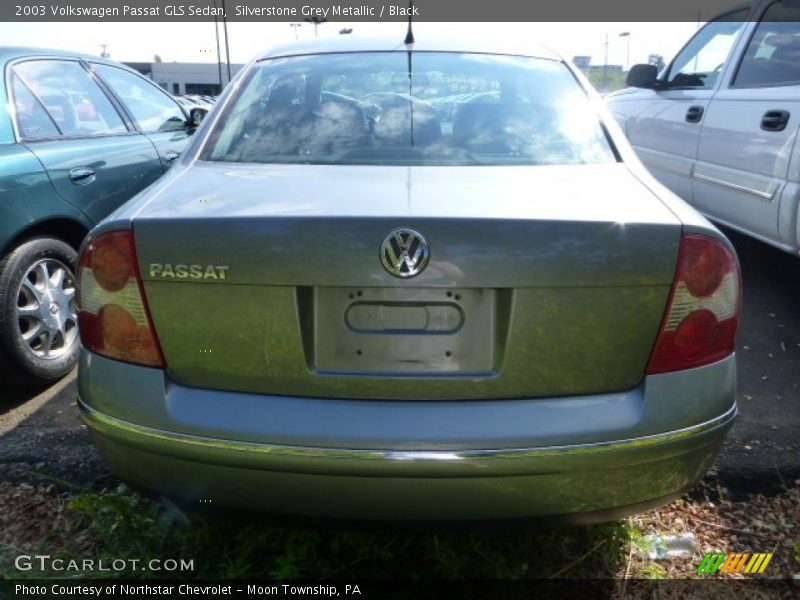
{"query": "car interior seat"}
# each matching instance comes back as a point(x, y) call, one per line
point(394, 127)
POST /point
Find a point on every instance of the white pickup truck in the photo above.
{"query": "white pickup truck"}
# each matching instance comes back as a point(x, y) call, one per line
point(719, 125)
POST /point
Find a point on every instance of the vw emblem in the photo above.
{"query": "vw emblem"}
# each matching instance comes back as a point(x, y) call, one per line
point(404, 253)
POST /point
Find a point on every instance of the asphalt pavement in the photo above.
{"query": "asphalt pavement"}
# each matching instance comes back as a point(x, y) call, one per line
point(762, 452)
point(41, 434)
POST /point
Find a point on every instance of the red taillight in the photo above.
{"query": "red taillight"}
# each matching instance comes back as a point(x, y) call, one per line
point(113, 315)
point(702, 315)
point(113, 260)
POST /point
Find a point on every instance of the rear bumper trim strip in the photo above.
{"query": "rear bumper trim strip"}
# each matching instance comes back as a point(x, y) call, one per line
point(123, 430)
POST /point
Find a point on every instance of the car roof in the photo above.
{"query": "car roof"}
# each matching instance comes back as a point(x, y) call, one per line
point(428, 43)
point(14, 52)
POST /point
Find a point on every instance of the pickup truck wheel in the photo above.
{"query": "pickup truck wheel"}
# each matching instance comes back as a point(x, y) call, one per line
point(38, 312)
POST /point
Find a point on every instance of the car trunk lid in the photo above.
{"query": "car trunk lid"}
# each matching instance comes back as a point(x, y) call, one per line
point(542, 281)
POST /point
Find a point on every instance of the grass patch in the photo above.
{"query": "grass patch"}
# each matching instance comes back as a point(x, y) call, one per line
point(121, 524)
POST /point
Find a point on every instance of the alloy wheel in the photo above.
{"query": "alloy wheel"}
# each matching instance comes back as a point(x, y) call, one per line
point(46, 309)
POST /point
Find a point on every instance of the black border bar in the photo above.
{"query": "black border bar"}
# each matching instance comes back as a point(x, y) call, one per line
point(366, 10)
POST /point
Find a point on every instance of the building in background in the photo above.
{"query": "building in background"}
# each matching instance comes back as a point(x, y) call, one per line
point(582, 62)
point(180, 78)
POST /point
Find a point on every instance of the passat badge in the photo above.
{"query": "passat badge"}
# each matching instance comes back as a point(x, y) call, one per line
point(196, 272)
point(404, 253)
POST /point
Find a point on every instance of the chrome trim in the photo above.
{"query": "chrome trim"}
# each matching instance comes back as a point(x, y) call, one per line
point(395, 253)
point(739, 188)
point(103, 423)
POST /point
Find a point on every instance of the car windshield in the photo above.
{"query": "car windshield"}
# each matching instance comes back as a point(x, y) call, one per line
point(410, 108)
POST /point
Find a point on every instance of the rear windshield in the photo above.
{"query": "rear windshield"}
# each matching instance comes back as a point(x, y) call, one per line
point(418, 108)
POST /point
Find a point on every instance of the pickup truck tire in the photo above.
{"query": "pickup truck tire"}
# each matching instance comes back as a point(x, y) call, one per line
point(38, 323)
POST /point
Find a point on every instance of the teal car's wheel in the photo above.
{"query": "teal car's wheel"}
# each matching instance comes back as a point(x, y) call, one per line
point(38, 312)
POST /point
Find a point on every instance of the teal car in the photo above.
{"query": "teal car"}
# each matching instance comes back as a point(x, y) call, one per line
point(79, 136)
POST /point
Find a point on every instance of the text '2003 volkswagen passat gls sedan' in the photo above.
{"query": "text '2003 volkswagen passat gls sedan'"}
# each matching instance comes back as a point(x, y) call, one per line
point(409, 282)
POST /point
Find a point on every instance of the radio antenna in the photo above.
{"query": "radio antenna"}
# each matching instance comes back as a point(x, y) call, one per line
point(410, 34)
point(409, 42)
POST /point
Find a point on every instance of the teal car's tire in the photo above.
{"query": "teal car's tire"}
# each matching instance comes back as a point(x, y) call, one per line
point(38, 313)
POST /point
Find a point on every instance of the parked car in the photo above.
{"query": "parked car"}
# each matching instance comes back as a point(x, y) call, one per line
point(79, 136)
point(719, 125)
point(349, 298)
point(199, 100)
point(185, 102)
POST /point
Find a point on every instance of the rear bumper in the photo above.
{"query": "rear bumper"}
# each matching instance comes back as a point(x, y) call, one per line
point(583, 480)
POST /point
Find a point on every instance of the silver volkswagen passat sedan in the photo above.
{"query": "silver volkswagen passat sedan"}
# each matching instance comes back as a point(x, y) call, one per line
point(425, 281)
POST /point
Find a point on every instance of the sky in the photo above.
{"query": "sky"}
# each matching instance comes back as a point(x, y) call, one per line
point(195, 42)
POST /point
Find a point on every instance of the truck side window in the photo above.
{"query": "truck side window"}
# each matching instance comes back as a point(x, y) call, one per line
point(701, 61)
point(773, 54)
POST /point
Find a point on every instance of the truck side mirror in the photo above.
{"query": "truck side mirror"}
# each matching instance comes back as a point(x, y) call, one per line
point(642, 76)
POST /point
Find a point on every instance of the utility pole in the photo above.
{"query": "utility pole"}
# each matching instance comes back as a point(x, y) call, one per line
point(295, 26)
point(317, 22)
point(225, 31)
point(627, 34)
point(605, 63)
point(219, 54)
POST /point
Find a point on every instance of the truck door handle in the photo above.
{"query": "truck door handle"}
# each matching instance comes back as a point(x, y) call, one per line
point(171, 155)
point(82, 175)
point(775, 120)
point(694, 114)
